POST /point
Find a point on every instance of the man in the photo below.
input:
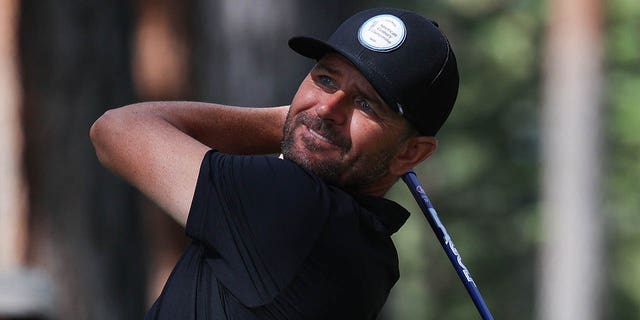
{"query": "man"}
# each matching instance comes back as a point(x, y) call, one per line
point(306, 235)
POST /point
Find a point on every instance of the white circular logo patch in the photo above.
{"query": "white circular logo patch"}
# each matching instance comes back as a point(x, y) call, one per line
point(382, 33)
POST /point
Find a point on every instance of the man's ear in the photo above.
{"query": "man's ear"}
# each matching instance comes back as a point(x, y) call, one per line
point(413, 151)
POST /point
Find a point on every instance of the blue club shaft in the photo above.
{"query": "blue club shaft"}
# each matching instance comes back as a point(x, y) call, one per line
point(430, 213)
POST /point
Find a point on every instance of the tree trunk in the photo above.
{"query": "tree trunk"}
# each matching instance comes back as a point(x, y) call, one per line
point(572, 255)
point(160, 72)
point(12, 187)
point(85, 227)
point(240, 50)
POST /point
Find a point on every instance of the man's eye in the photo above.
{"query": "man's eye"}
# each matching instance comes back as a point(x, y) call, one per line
point(326, 81)
point(365, 106)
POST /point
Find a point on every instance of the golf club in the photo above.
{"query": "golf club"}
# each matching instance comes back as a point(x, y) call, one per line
point(430, 213)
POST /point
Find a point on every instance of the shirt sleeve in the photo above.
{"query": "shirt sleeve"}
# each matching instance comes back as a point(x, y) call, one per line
point(259, 216)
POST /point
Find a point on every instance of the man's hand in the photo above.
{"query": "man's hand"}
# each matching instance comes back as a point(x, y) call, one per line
point(158, 146)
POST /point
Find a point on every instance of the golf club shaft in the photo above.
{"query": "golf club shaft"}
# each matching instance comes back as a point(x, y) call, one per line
point(430, 213)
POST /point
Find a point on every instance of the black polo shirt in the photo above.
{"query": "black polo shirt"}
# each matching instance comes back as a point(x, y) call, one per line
point(273, 241)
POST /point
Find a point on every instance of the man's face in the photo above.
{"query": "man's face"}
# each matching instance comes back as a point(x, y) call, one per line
point(339, 128)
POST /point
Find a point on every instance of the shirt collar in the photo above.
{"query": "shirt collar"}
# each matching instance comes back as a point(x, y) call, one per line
point(389, 215)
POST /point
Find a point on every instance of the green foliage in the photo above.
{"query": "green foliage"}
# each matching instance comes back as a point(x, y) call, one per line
point(622, 202)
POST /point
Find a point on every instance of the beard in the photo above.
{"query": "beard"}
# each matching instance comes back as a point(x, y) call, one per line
point(353, 174)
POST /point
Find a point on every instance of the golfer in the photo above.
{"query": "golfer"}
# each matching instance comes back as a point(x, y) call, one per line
point(306, 235)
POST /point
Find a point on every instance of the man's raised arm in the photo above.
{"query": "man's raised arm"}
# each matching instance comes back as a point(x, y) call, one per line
point(158, 146)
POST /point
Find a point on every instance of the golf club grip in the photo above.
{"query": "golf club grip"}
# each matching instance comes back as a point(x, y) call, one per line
point(430, 213)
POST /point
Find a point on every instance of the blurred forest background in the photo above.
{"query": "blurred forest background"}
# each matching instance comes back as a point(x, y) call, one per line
point(77, 243)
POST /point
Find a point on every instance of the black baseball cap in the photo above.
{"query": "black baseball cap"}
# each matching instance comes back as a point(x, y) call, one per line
point(405, 57)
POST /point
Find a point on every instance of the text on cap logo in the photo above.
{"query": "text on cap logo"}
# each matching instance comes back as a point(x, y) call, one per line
point(382, 33)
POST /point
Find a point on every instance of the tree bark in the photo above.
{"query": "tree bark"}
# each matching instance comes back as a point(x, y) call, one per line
point(12, 187)
point(572, 258)
point(85, 226)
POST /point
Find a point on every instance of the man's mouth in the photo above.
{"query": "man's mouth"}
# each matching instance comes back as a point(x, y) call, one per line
point(320, 136)
point(322, 133)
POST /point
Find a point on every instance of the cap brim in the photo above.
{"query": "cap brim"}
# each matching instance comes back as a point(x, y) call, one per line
point(315, 49)
point(310, 47)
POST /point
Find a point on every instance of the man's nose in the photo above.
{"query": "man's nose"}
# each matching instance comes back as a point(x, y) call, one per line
point(334, 107)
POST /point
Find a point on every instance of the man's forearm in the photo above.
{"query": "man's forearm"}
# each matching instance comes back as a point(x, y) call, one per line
point(229, 129)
